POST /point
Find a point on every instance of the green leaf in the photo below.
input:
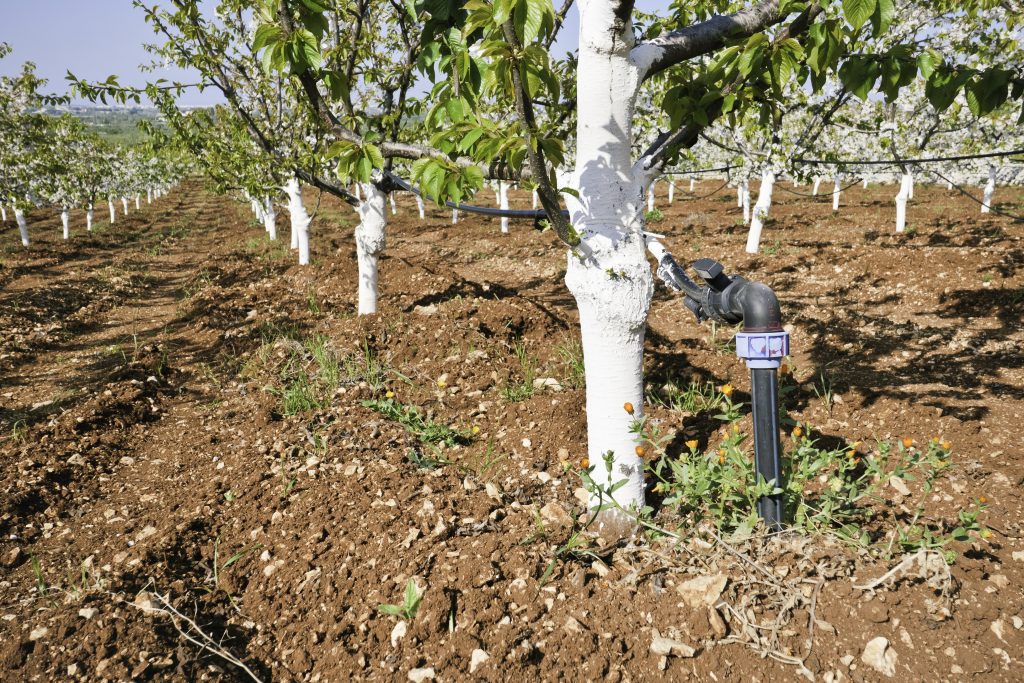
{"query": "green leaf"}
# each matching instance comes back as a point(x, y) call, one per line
point(266, 34)
point(857, 12)
point(881, 19)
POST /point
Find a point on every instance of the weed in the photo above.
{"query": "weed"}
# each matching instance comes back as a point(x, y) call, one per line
point(654, 216)
point(411, 600)
point(18, 430)
point(37, 571)
point(824, 391)
point(522, 389)
point(488, 464)
point(311, 302)
point(571, 353)
point(774, 248)
point(714, 339)
point(426, 431)
point(696, 397)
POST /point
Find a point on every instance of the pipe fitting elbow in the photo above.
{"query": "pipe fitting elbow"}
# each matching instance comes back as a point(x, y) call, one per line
point(760, 308)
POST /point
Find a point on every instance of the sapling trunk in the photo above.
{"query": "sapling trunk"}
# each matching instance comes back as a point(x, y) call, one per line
point(745, 197)
point(760, 214)
point(836, 190)
point(419, 206)
point(455, 216)
point(533, 200)
point(137, 205)
point(19, 216)
point(394, 208)
point(371, 240)
point(149, 195)
point(739, 195)
point(817, 185)
point(990, 188)
point(650, 196)
point(671, 192)
point(299, 218)
point(270, 218)
point(865, 182)
point(65, 221)
point(88, 218)
point(124, 204)
point(503, 203)
point(3, 213)
point(910, 186)
point(692, 182)
point(901, 203)
point(110, 206)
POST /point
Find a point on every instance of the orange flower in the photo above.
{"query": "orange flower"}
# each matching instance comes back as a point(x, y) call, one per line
point(798, 431)
point(585, 463)
point(784, 369)
point(692, 444)
point(726, 390)
point(946, 445)
point(640, 451)
point(908, 442)
point(982, 500)
point(721, 456)
point(628, 407)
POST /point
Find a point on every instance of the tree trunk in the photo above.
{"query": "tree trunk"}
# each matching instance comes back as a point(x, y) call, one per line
point(692, 182)
point(149, 195)
point(836, 190)
point(650, 196)
point(394, 208)
point(299, 218)
point(901, 203)
point(455, 216)
point(88, 218)
point(137, 205)
point(124, 204)
point(671, 191)
point(760, 214)
point(3, 214)
point(610, 278)
point(533, 200)
point(270, 218)
point(990, 188)
point(19, 216)
point(65, 221)
point(817, 184)
point(503, 204)
point(419, 206)
point(910, 186)
point(745, 201)
point(370, 243)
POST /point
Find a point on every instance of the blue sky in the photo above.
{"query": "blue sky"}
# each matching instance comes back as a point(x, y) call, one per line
point(97, 38)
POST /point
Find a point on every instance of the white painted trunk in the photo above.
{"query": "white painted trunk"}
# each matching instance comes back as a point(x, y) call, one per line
point(419, 206)
point(761, 209)
point(65, 221)
point(370, 243)
point(110, 206)
point(391, 199)
point(503, 204)
point(19, 216)
point(611, 279)
point(3, 214)
point(650, 196)
point(745, 201)
point(270, 218)
point(865, 183)
point(149, 195)
point(990, 188)
point(739, 195)
point(533, 200)
point(692, 182)
point(817, 185)
point(910, 186)
point(836, 190)
point(671, 192)
point(124, 204)
point(299, 219)
point(137, 205)
point(455, 216)
point(88, 218)
point(901, 213)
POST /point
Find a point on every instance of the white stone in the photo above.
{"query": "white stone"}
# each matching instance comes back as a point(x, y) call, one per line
point(880, 657)
point(420, 675)
point(702, 591)
point(398, 632)
point(477, 658)
point(667, 646)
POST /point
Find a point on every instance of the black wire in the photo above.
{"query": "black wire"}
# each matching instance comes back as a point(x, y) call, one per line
point(841, 162)
point(1016, 219)
point(827, 194)
point(469, 208)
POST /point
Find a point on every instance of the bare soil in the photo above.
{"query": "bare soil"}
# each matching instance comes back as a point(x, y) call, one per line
point(146, 452)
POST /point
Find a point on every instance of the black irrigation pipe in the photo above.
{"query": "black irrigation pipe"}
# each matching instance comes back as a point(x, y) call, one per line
point(891, 162)
point(705, 196)
point(534, 214)
point(1015, 218)
point(822, 194)
point(703, 170)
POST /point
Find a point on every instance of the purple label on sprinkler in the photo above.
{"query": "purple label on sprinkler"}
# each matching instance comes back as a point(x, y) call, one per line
point(762, 346)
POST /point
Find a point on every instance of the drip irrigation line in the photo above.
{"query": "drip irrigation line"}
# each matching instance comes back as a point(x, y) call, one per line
point(992, 209)
point(534, 214)
point(857, 162)
point(705, 196)
point(822, 194)
point(703, 170)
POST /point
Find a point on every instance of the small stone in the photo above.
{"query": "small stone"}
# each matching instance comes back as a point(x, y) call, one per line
point(145, 533)
point(905, 638)
point(420, 675)
point(398, 632)
point(527, 444)
point(543, 477)
point(880, 657)
point(1018, 555)
point(999, 580)
point(956, 669)
point(667, 646)
point(72, 669)
point(87, 612)
point(718, 624)
point(555, 514)
point(1018, 623)
point(703, 591)
point(846, 660)
point(144, 601)
point(38, 633)
point(493, 492)
point(897, 484)
point(997, 627)
point(572, 626)
point(425, 310)
point(13, 557)
point(876, 612)
point(477, 658)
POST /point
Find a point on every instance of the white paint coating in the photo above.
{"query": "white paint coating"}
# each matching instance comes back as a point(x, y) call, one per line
point(503, 203)
point(65, 221)
point(817, 185)
point(745, 199)
point(299, 219)
point(110, 206)
point(270, 218)
point(88, 218)
point(671, 192)
point(836, 191)
point(455, 216)
point(19, 216)
point(394, 208)
point(760, 213)
point(990, 188)
point(419, 206)
point(371, 240)
point(137, 205)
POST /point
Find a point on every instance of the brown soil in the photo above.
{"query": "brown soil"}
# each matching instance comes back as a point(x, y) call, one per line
point(145, 452)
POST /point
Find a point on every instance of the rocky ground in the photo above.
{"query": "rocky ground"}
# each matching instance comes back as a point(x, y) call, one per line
point(211, 469)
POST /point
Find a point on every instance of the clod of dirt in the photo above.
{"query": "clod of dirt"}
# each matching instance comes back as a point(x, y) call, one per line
point(880, 657)
point(703, 591)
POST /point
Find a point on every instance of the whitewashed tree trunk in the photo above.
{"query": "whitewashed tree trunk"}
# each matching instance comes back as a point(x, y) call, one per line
point(299, 219)
point(270, 218)
point(865, 182)
point(910, 186)
point(65, 221)
point(419, 206)
point(611, 280)
point(901, 203)
point(533, 200)
point(503, 204)
point(739, 195)
point(110, 206)
point(455, 216)
point(990, 188)
point(836, 190)
point(760, 213)
point(359, 194)
point(3, 213)
point(671, 192)
point(149, 195)
point(371, 240)
point(650, 196)
point(394, 207)
point(19, 216)
point(817, 185)
point(692, 182)
point(747, 201)
point(137, 205)
point(124, 204)
point(88, 218)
